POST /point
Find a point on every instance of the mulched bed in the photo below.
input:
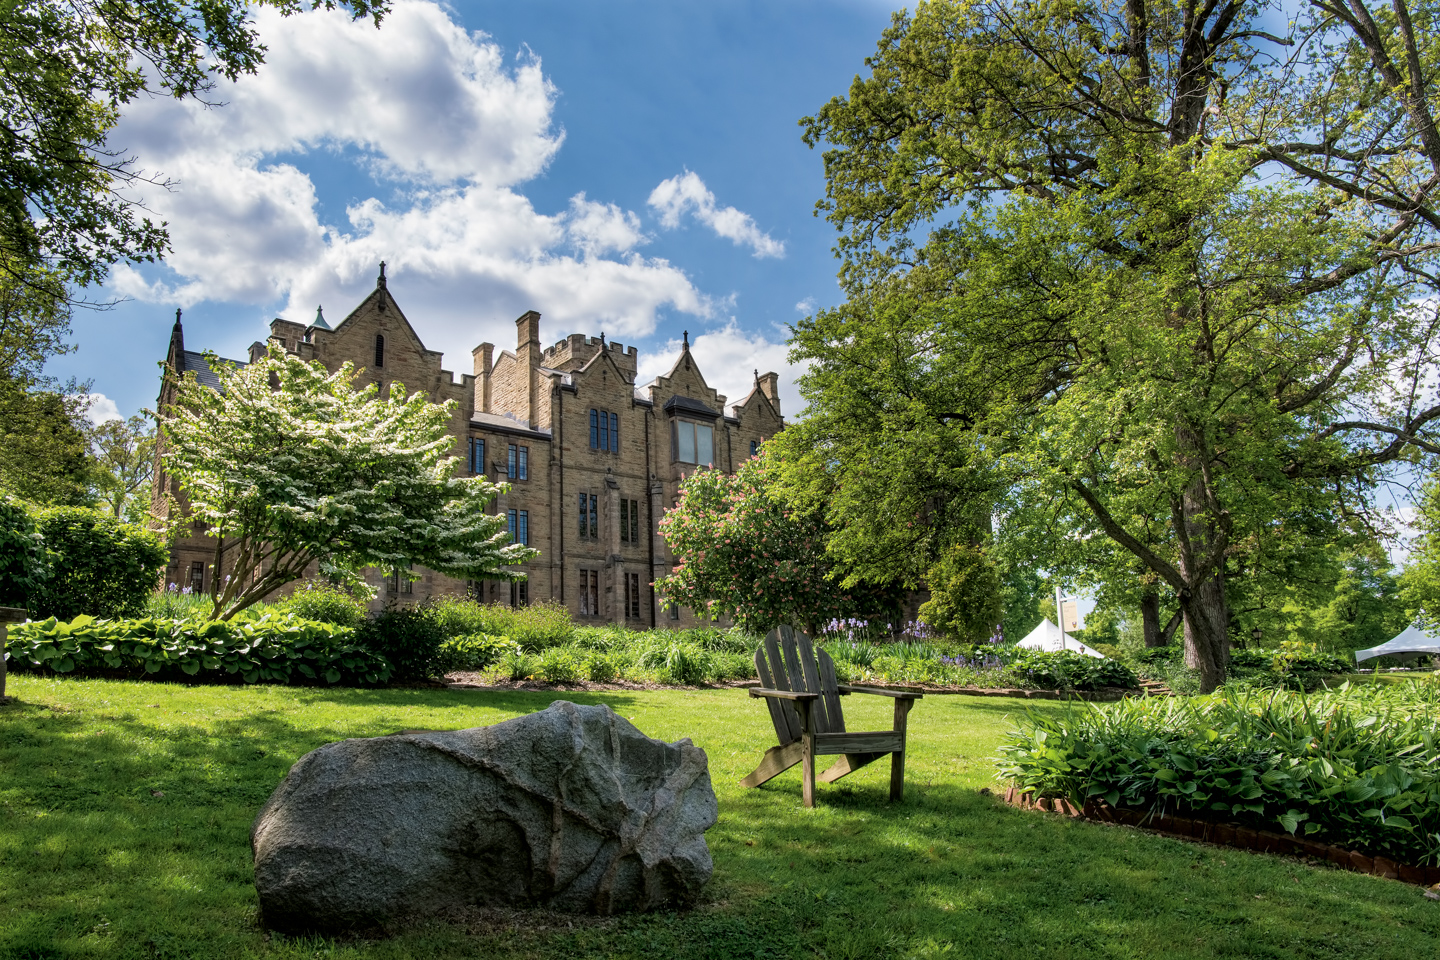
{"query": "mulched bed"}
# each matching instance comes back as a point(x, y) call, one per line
point(1227, 835)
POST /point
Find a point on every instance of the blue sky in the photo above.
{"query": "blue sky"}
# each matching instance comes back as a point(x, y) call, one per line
point(632, 167)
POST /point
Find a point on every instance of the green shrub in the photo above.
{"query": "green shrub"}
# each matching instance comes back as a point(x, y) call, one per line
point(679, 663)
point(475, 652)
point(24, 564)
point(516, 664)
point(101, 566)
point(1358, 767)
point(324, 602)
point(409, 639)
point(1068, 670)
point(268, 650)
point(559, 665)
point(536, 627)
point(600, 668)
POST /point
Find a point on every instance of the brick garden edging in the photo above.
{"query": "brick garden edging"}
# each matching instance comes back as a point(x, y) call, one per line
point(1228, 835)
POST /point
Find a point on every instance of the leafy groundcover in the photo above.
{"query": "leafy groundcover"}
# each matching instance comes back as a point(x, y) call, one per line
point(1357, 767)
point(270, 649)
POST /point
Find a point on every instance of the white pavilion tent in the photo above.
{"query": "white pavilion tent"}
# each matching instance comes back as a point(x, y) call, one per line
point(1047, 637)
point(1411, 644)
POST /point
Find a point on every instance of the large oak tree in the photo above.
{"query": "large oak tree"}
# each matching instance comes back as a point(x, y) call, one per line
point(1163, 272)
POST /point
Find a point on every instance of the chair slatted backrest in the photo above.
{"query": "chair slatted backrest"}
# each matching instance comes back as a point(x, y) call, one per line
point(788, 661)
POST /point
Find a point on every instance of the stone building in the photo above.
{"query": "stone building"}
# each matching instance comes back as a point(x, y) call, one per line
point(593, 460)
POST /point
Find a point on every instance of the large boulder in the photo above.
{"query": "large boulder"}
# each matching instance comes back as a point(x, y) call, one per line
point(570, 809)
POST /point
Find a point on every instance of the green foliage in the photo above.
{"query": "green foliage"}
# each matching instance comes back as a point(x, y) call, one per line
point(1358, 767)
point(1075, 296)
point(472, 652)
point(124, 460)
point(173, 603)
point(407, 638)
point(1066, 669)
point(965, 596)
point(325, 602)
point(267, 650)
point(743, 550)
point(540, 625)
point(103, 567)
point(24, 564)
point(1420, 583)
point(44, 453)
point(292, 465)
point(559, 665)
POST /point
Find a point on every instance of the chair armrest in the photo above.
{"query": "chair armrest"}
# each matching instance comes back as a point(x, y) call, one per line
point(897, 694)
point(783, 694)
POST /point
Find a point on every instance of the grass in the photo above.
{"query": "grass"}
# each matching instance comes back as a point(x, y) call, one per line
point(125, 811)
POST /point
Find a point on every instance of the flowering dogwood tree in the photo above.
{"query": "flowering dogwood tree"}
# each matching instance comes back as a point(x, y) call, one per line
point(287, 465)
point(742, 551)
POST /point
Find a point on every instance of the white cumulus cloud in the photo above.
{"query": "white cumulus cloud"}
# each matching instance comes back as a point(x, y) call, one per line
point(101, 408)
point(443, 128)
point(687, 193)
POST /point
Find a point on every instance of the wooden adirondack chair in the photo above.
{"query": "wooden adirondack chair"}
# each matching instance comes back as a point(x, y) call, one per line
point(804, 701)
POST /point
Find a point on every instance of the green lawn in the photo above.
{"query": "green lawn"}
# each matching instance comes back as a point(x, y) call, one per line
point(125, 811)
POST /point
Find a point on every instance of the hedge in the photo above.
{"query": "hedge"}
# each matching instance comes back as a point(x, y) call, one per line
point(1357, 767)
point(270, 649)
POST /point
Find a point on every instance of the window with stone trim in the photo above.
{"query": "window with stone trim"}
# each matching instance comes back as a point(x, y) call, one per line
point(632, 596)
point(477, 456)
point(604, 430)
point(379, 350)
point(520, 526)
point(694, 442)
point(754, 447)
point(518, 464)
point(397, 582)
point(197, 577)
point(519, 593)
point(589, 514)
point(589, 593)
point(630, 521)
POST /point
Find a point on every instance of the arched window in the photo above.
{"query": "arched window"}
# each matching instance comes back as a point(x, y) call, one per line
point(379, 350)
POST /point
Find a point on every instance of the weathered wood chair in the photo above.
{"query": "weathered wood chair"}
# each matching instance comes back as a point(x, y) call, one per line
point(804, 701)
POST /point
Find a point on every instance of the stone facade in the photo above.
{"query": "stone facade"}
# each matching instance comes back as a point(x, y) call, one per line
point(592, 460)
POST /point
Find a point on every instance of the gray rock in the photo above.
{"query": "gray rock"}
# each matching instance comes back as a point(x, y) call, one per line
point(569, 809)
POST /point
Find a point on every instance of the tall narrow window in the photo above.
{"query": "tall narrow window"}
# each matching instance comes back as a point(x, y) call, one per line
point(589, 593)
point(634, 521)
point(379, 350)
point(625, 520)
point(197, 576)
point(594, 429)
point(510, 464)
point(614, 433)
point(514, 524)
point(704, 443)
point(674, 611)
point(524, 527)
point(584, 515)
point(594, 517)
point(519, 593)
point(524, 463)
point(632, 596)
point(477, 456)
point(604, 431)
point(754, 447)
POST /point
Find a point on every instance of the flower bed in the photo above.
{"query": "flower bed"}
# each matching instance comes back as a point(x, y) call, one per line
point(1356, 767)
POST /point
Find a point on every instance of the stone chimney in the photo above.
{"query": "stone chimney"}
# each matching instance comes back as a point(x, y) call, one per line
point(527, 351)
point(770, 386)
point(484, 359)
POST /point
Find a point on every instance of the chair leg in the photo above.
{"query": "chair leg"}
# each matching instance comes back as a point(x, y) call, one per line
point(775, 762)
point(897, 759)
point(807, 746)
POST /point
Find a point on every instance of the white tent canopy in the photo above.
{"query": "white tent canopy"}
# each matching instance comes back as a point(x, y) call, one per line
point(1047, 637)
point(1413, 642)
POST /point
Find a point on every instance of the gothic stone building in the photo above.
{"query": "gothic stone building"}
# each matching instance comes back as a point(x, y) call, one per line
point(593, 460)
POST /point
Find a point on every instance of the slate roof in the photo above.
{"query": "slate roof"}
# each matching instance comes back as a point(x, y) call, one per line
point(690, 406)
point(195, 363)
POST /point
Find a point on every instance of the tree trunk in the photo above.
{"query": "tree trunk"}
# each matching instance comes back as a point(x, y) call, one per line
point(1150, 619)
point(1207, 632)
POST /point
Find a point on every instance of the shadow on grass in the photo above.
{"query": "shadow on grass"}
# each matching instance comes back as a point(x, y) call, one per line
point(126, 835)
